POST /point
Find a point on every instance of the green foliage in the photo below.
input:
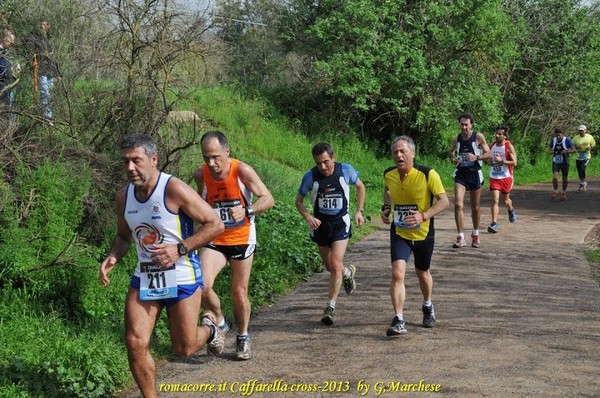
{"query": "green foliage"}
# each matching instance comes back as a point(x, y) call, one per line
point(369, 69)
point(41, 355)
point(410, 66)
point(40, 224)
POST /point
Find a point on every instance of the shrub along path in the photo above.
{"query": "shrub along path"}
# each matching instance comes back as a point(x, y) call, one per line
point(517, 317)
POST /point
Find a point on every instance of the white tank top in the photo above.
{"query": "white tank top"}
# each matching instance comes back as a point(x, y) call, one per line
point(499, 171)
point(152, 223)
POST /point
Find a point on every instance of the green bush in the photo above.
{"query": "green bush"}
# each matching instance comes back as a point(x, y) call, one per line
point(42, 355)
point(40, 220)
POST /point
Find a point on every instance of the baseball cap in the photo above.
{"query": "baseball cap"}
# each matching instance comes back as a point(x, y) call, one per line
point(582, 127)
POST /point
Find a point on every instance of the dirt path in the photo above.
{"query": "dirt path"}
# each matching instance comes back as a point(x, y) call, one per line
point(517, 317)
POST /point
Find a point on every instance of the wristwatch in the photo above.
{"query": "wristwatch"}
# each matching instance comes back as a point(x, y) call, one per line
point(181, 249)
point(249, 212)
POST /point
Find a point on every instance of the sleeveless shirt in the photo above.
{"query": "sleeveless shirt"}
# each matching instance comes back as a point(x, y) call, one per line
point(151, 222)
point(465, 147)
point(224, 194)
point(499, 171)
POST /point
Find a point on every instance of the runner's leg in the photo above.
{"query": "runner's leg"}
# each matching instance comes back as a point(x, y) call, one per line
point(240, 277)
point(140, 319)
point(213, 263)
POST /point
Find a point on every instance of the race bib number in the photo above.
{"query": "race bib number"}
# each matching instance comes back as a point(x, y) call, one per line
point(558, 159)
point(222, 210)
point(403, 211)
point(496, 170)
point(157, 283)
point(463, 160)
point(582, 155)
point(331, 204)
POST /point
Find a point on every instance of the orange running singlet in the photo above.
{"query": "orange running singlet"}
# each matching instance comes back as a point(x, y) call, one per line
point(222, 195)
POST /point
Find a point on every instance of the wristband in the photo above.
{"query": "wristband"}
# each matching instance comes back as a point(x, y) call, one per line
point(249, 212)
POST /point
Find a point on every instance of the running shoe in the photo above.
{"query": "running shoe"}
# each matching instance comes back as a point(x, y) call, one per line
point(554, 195)
point(242, 348)
point(460, 242)
point(428, 316)
point(475, 242)
point(493, 228)
point(580, 187)
point(584, 186)
point(328, 315)
point(349, 284)
point(226, 327)
point(512, 216)
point(216, 345)
point(563, 196)
point(397, 328)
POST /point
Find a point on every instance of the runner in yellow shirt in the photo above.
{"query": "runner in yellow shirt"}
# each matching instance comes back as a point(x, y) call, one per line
point(584, 143)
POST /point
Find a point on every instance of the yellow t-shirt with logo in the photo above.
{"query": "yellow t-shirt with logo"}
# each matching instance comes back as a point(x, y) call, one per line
point(586, 141)
point(417, 192)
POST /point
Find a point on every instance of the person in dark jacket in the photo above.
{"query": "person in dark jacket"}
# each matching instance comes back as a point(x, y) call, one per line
point(7, 39)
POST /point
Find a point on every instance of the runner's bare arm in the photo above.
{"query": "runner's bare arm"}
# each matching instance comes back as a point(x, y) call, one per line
point(485, 149)
point(312, 222)
point(441, 203)
point(361, 194)
point(121, 243)
point(386, 209)
point(264, 199)
point(513, 156)
point(452, 151)
point(199, 178)
point(182, 197)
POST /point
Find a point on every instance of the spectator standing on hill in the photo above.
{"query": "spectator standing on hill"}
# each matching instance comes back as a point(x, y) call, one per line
point(584, 143)
point(156, 212)
point(45, 69)
point(7, 40)
point(330, 225)
point(229, 185)
point(502, 162)
point(467, 151)
point(408, 204)
point(560, 148)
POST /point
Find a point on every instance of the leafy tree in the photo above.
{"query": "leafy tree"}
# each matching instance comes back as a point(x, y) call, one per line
point(555, 79)
point(411, 67)
point(255, 56)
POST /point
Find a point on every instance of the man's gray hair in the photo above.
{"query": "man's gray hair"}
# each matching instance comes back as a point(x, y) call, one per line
point(140, 141)
point(407, 139)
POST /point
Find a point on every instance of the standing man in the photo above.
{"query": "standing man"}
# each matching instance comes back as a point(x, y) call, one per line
point(39, 44)
point(408, 202)
point(584, 143)
point(503, 161)
point(467, 151)
point(7, 39)
point(156, 212)
point(228, 185)
point(330, 225)
point(560, 148)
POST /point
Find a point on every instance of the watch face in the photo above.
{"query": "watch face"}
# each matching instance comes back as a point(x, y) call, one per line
point(182, 249)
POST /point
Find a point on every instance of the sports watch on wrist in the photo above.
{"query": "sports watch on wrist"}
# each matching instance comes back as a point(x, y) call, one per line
point(181, 249)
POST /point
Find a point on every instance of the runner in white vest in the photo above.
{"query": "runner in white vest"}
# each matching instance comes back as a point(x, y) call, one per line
point(502, 164)
point(156, 212)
